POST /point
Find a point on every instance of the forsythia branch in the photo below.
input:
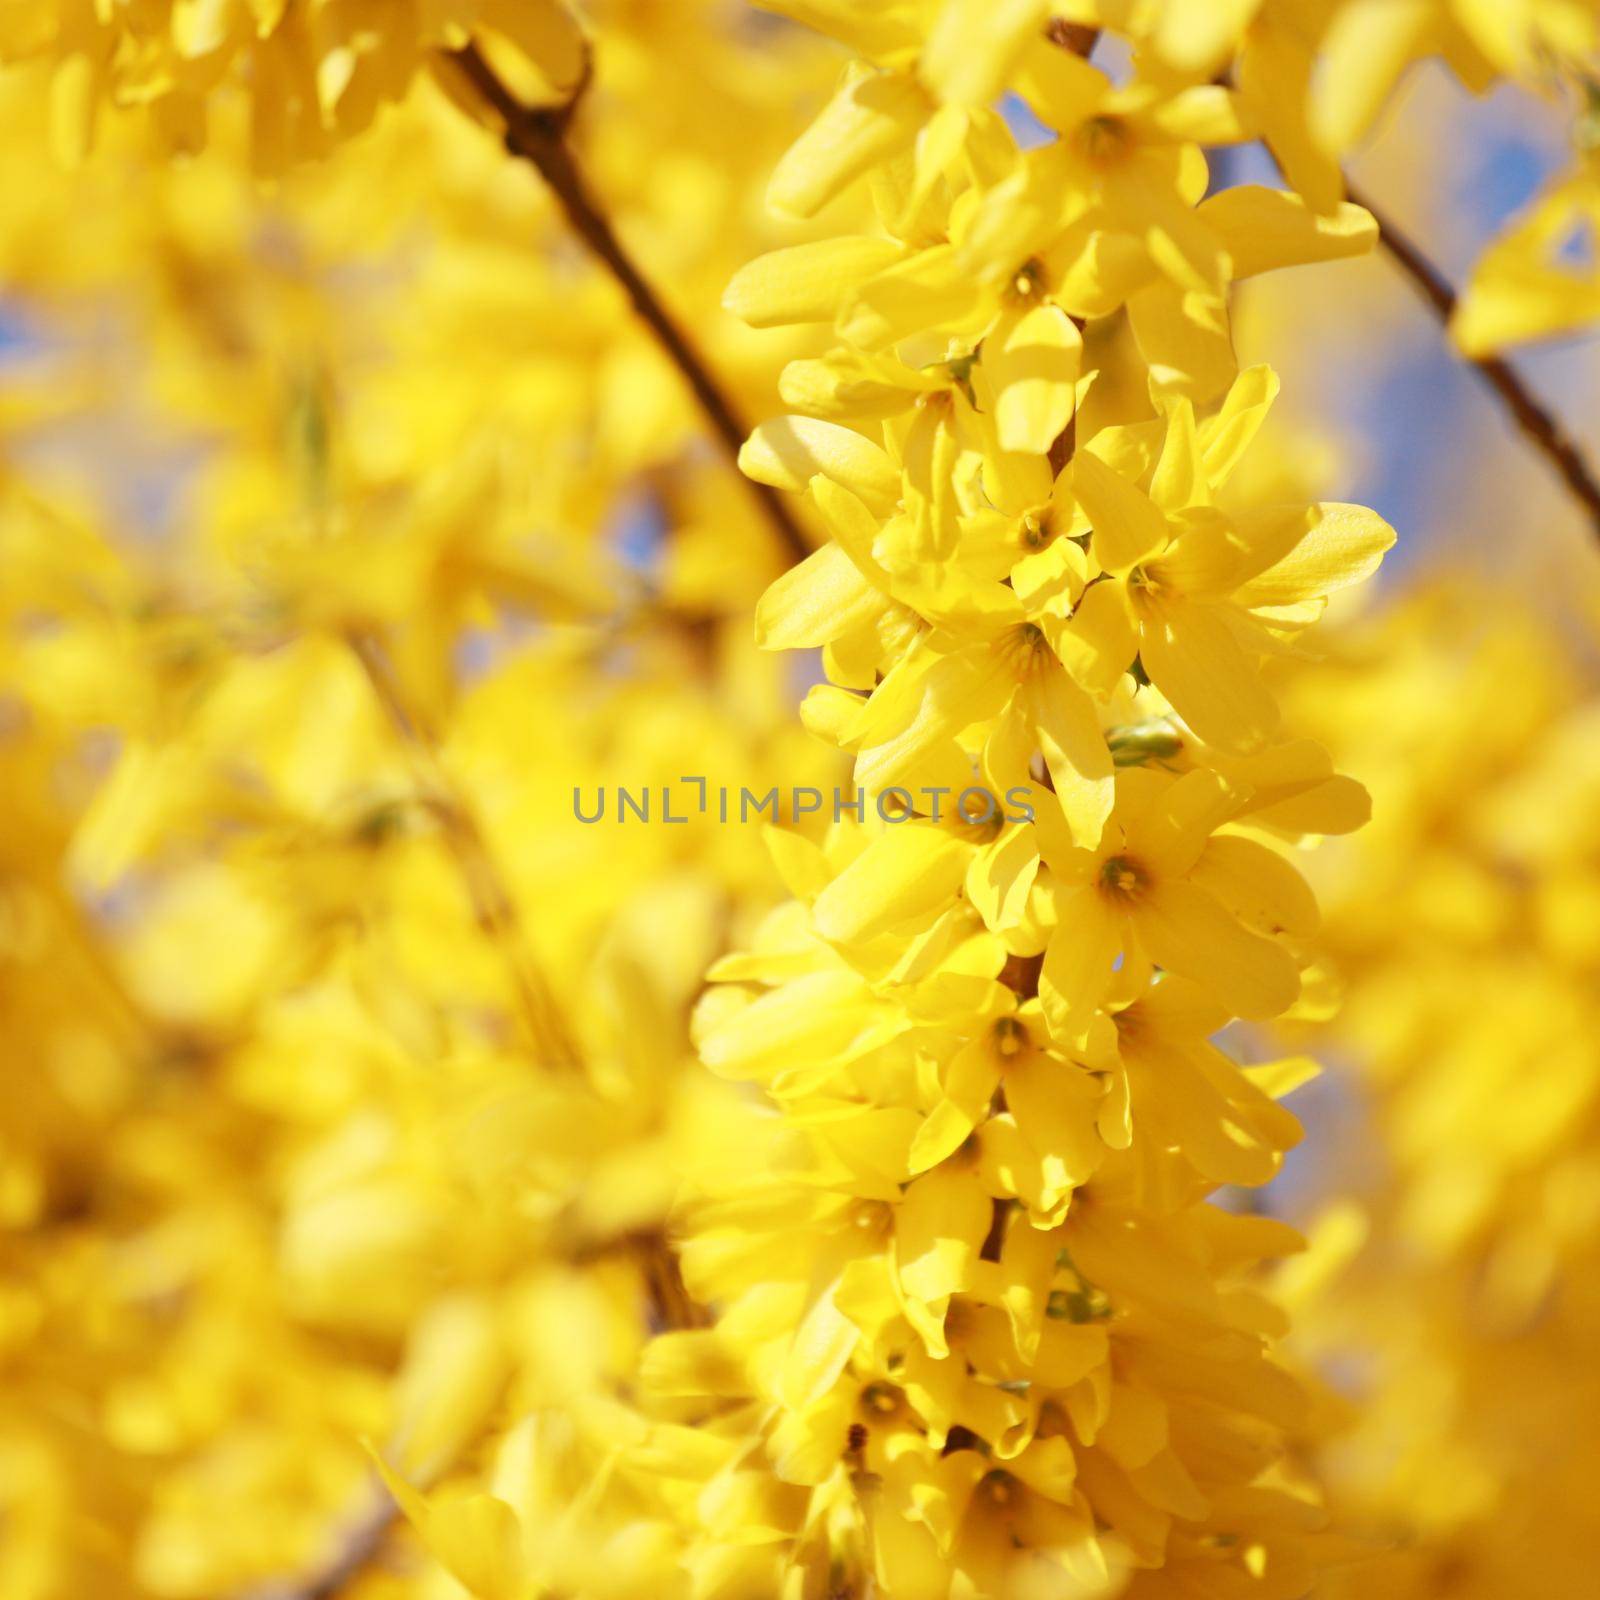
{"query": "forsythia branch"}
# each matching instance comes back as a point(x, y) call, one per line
point(1538, 424)
point(537, 136)
point(1078, 37)
point(360, 1545)
point(492, 904)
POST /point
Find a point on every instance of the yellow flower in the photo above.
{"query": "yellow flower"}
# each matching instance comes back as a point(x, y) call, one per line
point(1163, 887)
point(1202, 596)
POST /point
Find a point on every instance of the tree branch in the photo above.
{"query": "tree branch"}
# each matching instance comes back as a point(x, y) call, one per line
point(1078, 37)
point(1541, 427)
point(538, 137)
point(359, 1545)
point(492, 905)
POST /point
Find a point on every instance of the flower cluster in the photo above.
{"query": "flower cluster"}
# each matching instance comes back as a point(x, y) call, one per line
point(980, 1329)
point(315, 72)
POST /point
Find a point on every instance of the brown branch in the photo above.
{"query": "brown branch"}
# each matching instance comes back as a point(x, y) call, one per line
point(538, 137)
point(1537, 423)
point(1078, 37)
point(491, 901)
point(1540, 426)
point(357, 1549)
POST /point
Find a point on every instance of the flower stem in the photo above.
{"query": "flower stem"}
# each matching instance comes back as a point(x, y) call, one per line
point(1541, 427)
point(538, 137)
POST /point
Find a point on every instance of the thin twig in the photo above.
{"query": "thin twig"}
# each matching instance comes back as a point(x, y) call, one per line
point(357, 1549)
point(538, 137)
point(1541, 427)
point(1077, 39)
point(1537, 423)
point(492, 905)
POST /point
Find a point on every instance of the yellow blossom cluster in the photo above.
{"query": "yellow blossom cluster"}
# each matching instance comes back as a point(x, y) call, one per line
point(978, 1327)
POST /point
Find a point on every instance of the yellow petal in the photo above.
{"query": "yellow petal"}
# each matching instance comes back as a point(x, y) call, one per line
point(943, 1133)
point(1180, 244)
point(547, 35)
point(787, 452)
point(1341, 545)
point(1184, 338)
point(1258, 886)
point(1336, 805)
point(1225, 437)
point(1183, 929)
point(1197, 36)
point(1127, 525)
point(1205, 113)
point(692, 1362)
point(830, 713)
point(1033, 360)
point(1193, 657)
point(852, 524)
point(1095, 270)
point(974, 44)
point(476, 1538)
point(822, 1345)
point(1520, 289)
point(1060, 88)
point(939, 1228)
point(1001, 876)
point(1098, 641)
point(814, 602)
point(1078, 962)
point(819, 1019)
point(454, 1368)
point(806, 282)
point(1169, 834)
point(874, 31)
point(1505, 305)
point(74, 105)
point(1368, 44)
point(1263, 229)
point(1075, 750)
point(909, 871)
point(1274, 74)
point(921, 708)
point(873, 117)
point(1283, 1077)
point(929, 290)
point(1055, 1104)
point(1180, 478)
